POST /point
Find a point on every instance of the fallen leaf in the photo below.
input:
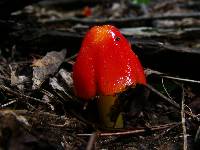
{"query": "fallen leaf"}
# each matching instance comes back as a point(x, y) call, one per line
point(46, 66)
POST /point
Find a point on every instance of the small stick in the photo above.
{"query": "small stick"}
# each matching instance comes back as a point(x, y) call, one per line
point(150, 71)
point(165, 89)
point(183, 120)
point(91, 141)
point(163, 96)
point(8, 103)
point(181, 79)
point(176, 105)
point(24, 96)
point(70, 58)
point(127, 132)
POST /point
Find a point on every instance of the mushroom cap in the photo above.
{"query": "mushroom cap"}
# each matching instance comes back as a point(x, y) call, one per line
point(105, 64)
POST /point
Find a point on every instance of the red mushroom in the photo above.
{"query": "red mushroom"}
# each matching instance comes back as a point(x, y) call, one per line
point(105, 66)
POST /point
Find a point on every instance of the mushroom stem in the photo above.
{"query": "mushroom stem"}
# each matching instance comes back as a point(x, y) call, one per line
point(108, 115)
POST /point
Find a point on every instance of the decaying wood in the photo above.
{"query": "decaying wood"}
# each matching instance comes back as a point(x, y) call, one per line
point(122, 22)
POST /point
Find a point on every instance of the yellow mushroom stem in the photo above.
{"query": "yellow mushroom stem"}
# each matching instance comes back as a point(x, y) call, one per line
point(106, 104)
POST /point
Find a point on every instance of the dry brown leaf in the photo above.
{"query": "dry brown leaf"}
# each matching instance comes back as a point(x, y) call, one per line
point(46, 66)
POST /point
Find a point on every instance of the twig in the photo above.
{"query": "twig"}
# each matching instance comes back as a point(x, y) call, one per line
point(91, 141)
point(150, 71)
point(181, 79)
point(165, 132)
point(24, 96)
point(163, 96)
point(70, 58)
point(183, 120)
point(8, 103)
point(165, 89)
point(176, 105)
point(128, 132)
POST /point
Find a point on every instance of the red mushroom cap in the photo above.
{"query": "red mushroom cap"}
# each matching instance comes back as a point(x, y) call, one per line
point(106, 64)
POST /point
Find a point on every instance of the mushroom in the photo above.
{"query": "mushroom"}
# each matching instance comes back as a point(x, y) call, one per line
point(106, 66)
